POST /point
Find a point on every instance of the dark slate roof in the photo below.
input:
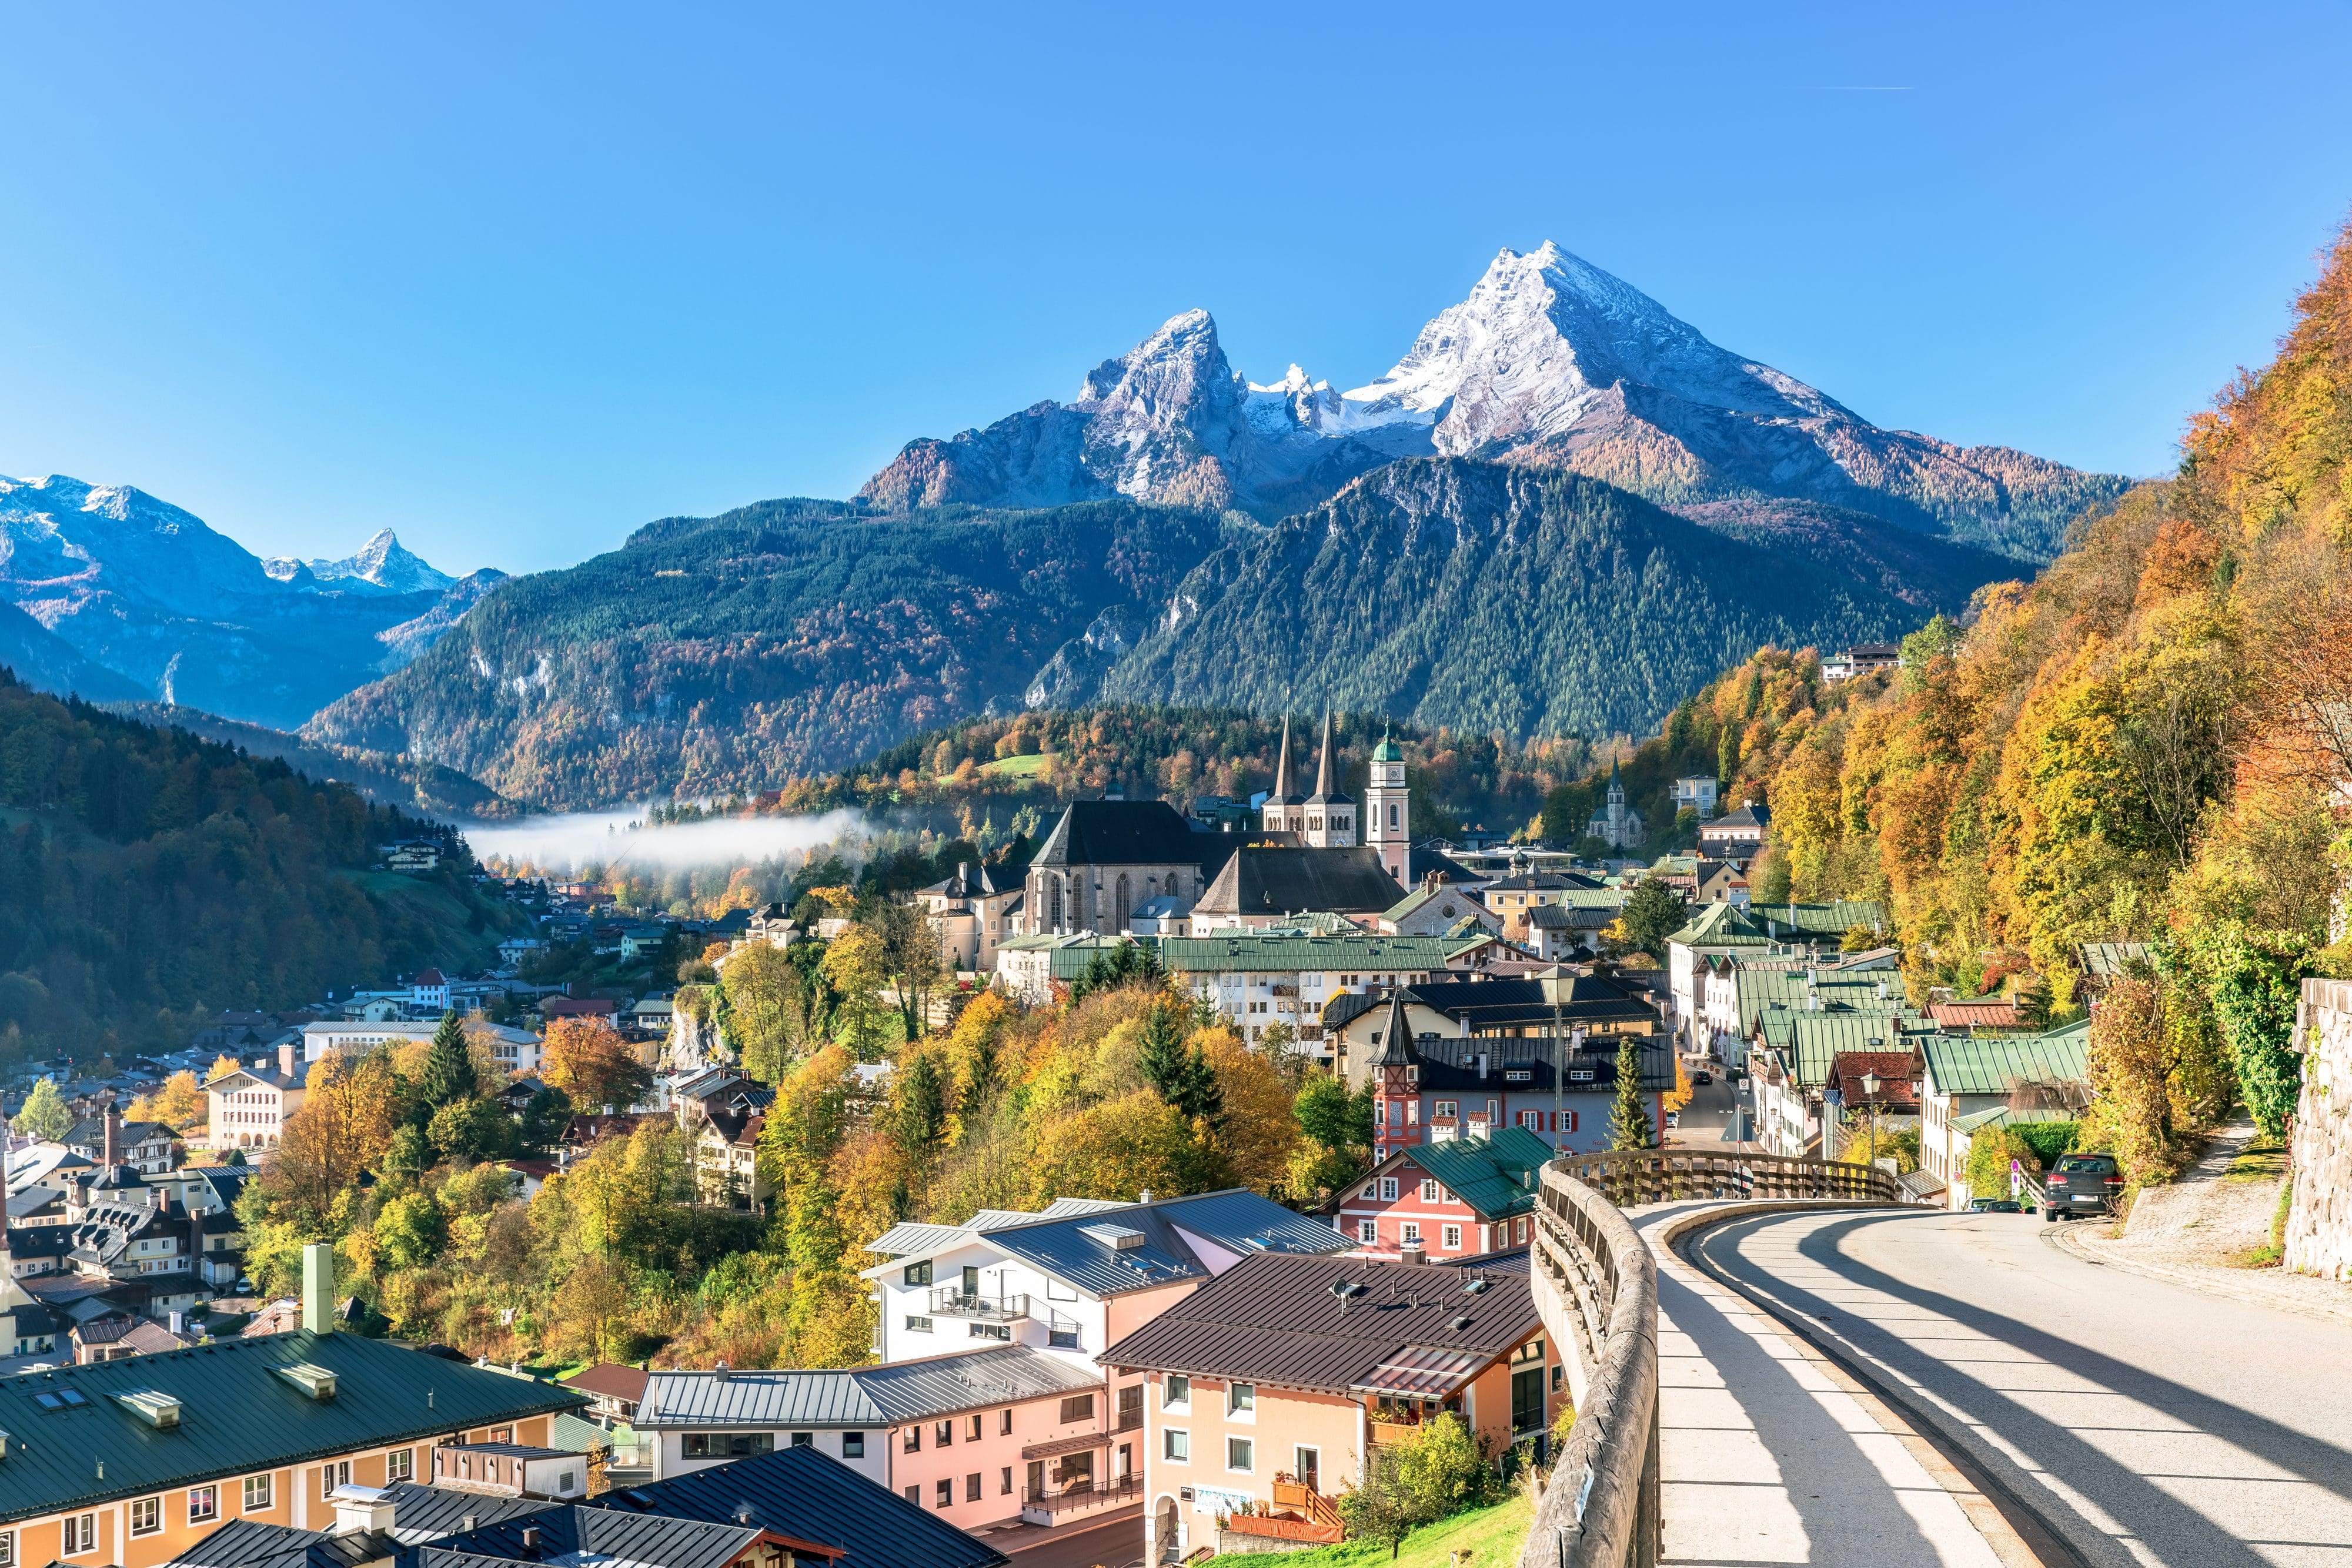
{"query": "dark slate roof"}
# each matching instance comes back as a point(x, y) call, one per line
point(1423, 859)
point(249, 1544)
point(810, 1496)
point(603, 1534)
point(970, 881)
point(941, 1385)
point(1451, 1066)
point(33, 1200)
point(1275, 1320)
point(422, 1512)
point(237, 1415)
point(1259, 880)
point(1124, 832)
point(1075, 1248)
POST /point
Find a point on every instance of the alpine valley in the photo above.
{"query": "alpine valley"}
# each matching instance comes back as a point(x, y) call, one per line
point(1562, 511)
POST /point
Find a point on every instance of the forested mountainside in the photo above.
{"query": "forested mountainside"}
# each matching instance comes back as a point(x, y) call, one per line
point(142, 599)
point(983, 771)
point(147, 877)
point(711, 655)
point(2147, 744)
point(384, 778)
point(1551, 362)
point(1510, 599)
point(737, 654)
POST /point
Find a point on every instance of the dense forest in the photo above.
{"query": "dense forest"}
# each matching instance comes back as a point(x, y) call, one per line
point(149, 878)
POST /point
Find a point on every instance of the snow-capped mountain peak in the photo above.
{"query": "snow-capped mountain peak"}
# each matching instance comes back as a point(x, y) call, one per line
point(381, 563)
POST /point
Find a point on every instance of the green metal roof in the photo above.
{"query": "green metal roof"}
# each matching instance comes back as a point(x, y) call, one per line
point(1489, 1173)
point(1759, 990)
point(1820, 919)
point(1994, 1065)
point(1721, 926)
point(2107, 961)
point(2002, 1116)
point(1814, 1038)
point(238, 1416)
point(1069, 960)
point(1224, 955)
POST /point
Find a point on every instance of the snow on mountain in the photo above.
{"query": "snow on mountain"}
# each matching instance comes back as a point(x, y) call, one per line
point(1549, 361)
point(381, 562)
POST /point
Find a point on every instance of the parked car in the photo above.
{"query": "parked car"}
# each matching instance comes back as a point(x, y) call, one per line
point(2082, 1184)
point(1674, 1120)
point(1995, 1206)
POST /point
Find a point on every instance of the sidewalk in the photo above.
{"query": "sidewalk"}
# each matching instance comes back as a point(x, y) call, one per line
point(1770, 1454)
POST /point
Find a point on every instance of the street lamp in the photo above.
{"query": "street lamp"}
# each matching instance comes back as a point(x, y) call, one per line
point(1870, 1112)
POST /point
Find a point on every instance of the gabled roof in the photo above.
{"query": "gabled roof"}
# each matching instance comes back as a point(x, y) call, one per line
point(237, 1415)
point(810, 1496)
point(942, 1386)
point(1995, 1064)
point(250, 1543)
point(2007, 1116)
point(1277, 1320)
point(1124, 832)
point(1896, 1071)
point(2111, 960)
point(1750, 815)
point(1800, 921)
point(1491, 1174)
point(1992, 1012)
point(1810, 1040)
point(1721, 926)
point(422, 1512)
point(611, 1380)
point(583, 1532)
point(1257, 880)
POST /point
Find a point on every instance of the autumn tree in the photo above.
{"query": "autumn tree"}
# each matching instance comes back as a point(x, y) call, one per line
point(223, 1065)
point(910, 958)
point(587, 1058)
point(341, 1130)
point(856, 966)
point(765, 1020)
point(45, 1114)
point(179, 1104)
point(1256, 1135)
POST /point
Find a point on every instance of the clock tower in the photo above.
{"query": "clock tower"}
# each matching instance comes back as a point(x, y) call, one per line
point(1387, 813)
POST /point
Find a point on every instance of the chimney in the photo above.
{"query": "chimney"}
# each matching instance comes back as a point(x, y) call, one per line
point(107, 1162)
point(1413, 1255)
point(179, 1323)
point(319, 1287)
point(286, 1058)
point(531, 1541)
point(359, 1510)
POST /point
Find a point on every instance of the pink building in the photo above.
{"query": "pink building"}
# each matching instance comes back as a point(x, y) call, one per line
point(1446, 1201)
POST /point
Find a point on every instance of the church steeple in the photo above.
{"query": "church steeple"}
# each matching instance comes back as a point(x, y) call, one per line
point(1396, 1095)
point(1388, 811)
point(1282, 764)
point(1331, 815)
point(1323, 764)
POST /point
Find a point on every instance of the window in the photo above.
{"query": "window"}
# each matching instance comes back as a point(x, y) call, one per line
point(1429, 1188)
point(146, 1516)
point(81, 1534)
point(1078, 1408)
point(917, 1325)
point(1175, 1447)
point(7, 1548)
point(257, 1493)
point(1005, 1422)
point(204, 1503)
point(728, 1445)
point(971, 1429)
point(992, 1331)
point(1388, 1189)
point(919, 1274)
point(914, 1441)
point(805, 1440)
point(942, 1434)
point(915, 1494)
point(1239, 1451)
point(1450, 1238)
point(1004, 1481)
point(399, 1465)
point(1240, 1398)
point(1177, 1389)
point(336, 1473)
point(1412, 1234)
point(1521, 1233)
point(1368, 1231)
point(853, 1445)
point(972, 1487)
point(1055, 1291)
point(945, 1492)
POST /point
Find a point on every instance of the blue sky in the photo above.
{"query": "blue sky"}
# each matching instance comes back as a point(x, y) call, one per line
point(516, 283)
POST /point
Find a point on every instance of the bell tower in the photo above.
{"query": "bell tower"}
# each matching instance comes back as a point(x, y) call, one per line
point(1388, 811)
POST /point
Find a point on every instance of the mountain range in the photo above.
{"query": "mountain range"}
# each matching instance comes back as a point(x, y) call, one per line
point(1550, 362)
point(1561, 510)
point(115, 595)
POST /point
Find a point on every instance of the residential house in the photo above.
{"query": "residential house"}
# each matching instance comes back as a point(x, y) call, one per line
point(149, 1147)
point(1027, 968)
point(1860, 659)
point(649, 1018)
point(1736, 837)
point(515, 1049)
point(248, 1109)
point(1978, 1012)
point(1256, 980)
point(1962, 1077)
point(1719, 881)
point(1267, 1389)
point(260, 1430)
point(973, 912)
point(1534, 890)
point(1695, 793)
point(1806, 1046)
point(617, 1390)
point(429, 992)
point(1445, 1201)
point(1736, 987)
point(554, 1007)
point(726, 1161)
point(1437, 908)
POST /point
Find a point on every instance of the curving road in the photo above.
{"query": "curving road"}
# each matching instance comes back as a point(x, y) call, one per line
point(2140, 1422)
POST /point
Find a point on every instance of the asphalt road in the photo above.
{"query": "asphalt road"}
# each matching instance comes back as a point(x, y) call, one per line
point(1709, 1112)
point(2141, 1422)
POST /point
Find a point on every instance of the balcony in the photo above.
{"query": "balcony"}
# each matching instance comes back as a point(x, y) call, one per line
point(947, 1301)
point(1054, 1505)
point(1299, 1514)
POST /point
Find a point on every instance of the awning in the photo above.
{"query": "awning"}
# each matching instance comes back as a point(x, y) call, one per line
point(1078, 1443)
point(1415, 1372)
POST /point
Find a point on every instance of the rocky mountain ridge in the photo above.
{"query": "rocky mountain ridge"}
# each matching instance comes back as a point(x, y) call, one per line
point(1549, 362)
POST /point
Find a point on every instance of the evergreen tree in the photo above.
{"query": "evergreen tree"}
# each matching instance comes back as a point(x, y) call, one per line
point(1629, 1115)
point(448, 1075)
point(1651, 913)
point(923, 1105)
point(1180, 1073)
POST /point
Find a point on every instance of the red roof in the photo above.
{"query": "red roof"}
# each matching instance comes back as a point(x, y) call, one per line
point(431, 977)
point(1976, 1015)
point(1897, 1074)
point(611, 1380)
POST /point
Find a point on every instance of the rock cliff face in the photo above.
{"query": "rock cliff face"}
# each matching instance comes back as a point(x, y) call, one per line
point(1551, 362)
point(139, 599)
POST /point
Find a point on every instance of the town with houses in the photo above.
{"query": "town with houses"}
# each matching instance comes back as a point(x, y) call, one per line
point(1203, 1370)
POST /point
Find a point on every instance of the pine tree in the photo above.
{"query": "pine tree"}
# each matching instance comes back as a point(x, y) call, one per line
point(1628, 1116)
point(448, 1072)
point(1182, 1074)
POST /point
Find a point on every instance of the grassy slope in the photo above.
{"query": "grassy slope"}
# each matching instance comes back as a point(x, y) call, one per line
point(1492, 1535)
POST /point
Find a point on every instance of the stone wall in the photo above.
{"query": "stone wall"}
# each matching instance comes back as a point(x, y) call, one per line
point(2319, 1225)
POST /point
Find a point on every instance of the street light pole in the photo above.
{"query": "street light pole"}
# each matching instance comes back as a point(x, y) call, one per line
point(1870, 1114)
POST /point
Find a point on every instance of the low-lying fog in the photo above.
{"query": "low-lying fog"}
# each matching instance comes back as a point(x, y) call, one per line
point(577, 840)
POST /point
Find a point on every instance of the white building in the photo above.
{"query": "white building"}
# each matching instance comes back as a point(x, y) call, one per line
point(1698, 793)
point(515, 1049)
point(1255, 981)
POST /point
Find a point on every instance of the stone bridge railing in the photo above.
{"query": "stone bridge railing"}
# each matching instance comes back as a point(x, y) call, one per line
point(1596, 1285)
